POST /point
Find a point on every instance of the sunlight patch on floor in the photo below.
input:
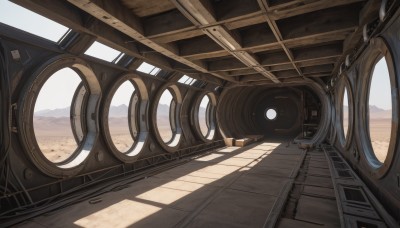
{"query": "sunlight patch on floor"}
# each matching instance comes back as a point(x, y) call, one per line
point(135, 210)
point(128, 211)
point(209, 157)
point(164, 196)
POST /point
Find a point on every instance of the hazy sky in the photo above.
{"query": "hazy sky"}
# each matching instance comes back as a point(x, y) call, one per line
point(29, 21)
point(166, 97)
point(24, 19)
point(58, 90)
point(102, 51)
point(345, 98)
point(123, 94)
point(380, 92)
point(204, 102)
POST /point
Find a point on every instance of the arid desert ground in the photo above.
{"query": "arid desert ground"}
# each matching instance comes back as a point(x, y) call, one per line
point(379, 130)
point(55, 138)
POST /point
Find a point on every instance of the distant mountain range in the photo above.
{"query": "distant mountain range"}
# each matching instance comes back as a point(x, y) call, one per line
point(375, 112)
point(115, 112)
point(373, 108)
point(121, 110)
point(62, 112)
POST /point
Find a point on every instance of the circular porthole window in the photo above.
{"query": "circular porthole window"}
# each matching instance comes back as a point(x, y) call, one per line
point(271, 114)
point(380, 110)
point(119, 117)
point(51, 118)
point(204, 116)
point(345, 113)
point(125, 132)
point(165, 110)
point(378, 107)
point(332, 134)
point(59, 115)
point(167, 117)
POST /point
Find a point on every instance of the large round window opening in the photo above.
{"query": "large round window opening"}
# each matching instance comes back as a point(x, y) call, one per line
point(271, 114)
point(164, 114)
point(125, 119)
point(167, 114)
point(205, 116)
point(122, 117)
point(380, 110)
point(52, 123)
point(57, 117)
point(345, 113)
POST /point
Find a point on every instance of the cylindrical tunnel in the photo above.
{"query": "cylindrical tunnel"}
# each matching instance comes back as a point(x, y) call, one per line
point(277, 113)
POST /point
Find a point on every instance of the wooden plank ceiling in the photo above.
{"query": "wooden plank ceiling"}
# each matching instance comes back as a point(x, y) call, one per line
point(239, 41)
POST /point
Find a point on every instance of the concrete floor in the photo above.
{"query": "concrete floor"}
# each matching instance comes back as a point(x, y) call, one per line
point(231, 187)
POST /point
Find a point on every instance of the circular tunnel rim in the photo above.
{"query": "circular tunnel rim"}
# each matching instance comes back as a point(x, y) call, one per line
point(315, 87)
point(377, 49)
point(174, 144)
point(211, 132)
point(140, 141)
point(75, 163)
point(344, 83)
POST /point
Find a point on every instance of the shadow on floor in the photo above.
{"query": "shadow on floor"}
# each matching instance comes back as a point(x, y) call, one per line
point(231, 187)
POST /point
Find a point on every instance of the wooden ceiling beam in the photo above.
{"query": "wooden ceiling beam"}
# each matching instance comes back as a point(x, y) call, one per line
point(318, 61)
point(318, 69)
point(318, 75)
point(228, 67)
point(165, 23)
point(323, 51)
point(295, 8)
point(241, 72)
point(201, 13)
point(274, 28)
point(283, 66)
point(190, 32)
point(335, 35)
point(253, 78)
point(241, 21)
point(287, 74)
point(337, 18)
point(119, 17)
point(320, 38)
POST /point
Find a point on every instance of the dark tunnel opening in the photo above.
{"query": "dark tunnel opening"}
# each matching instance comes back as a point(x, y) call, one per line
point(298, 112)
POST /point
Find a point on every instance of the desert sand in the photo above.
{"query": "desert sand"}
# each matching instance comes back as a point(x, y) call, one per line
point(379, 129)
point(55, 138)
point(120, 134)
point(56, 141)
